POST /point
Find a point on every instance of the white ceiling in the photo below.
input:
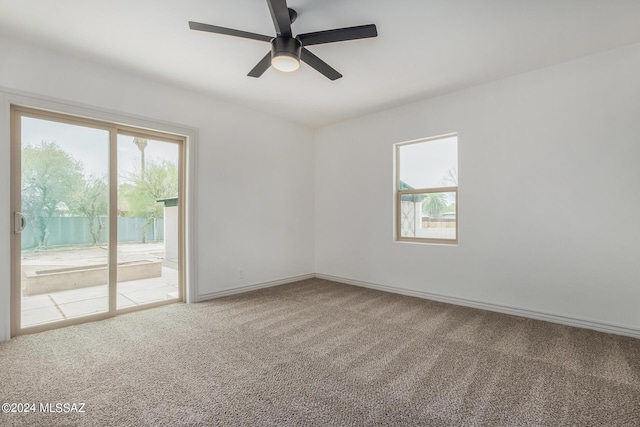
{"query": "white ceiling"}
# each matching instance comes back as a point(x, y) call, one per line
point(424, 48)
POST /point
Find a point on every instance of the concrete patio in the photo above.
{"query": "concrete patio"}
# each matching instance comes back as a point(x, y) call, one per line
point(55, 306)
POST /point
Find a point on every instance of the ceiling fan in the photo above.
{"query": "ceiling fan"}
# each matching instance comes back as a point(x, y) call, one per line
point(286, 50)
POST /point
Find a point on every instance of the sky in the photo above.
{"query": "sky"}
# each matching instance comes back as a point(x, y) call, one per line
point(425, 165)
point(91, 146)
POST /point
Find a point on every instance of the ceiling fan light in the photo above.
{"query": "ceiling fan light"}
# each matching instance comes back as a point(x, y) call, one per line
point(285, 63)
point(285, 54)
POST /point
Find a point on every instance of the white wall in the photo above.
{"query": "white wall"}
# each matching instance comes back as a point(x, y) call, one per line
point(171, 243)
point(549, 199)
point(548, 196)
point(243, 158)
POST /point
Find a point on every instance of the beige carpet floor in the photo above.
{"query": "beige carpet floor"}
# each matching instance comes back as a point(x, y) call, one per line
point(324, 354)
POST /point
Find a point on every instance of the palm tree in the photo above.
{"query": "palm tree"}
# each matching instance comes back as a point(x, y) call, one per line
point(142, 144)
point(434, 204)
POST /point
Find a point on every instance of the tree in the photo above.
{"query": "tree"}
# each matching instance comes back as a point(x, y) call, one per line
point(91, 200)
point(141, 143)
point(451, 178)
point(434, 204)
point(140, 196)
point(50, 176)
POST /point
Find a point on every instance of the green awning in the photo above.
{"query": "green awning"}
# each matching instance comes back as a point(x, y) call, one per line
point(169, 202)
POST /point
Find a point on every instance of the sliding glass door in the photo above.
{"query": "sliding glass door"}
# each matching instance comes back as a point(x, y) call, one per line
point(64, 211)
point(98, 219)
point(148, 232)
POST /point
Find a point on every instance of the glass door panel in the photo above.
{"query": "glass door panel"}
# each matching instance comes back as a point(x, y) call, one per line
point(64, 198)
point(148, 221)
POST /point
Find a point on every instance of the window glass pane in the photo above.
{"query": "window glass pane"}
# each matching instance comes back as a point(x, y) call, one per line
point(429, 164)
point(65, 201)
point(148, 238)
point(428, 215)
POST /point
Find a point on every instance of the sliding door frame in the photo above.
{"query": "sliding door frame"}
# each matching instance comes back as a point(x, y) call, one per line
point(114, 129)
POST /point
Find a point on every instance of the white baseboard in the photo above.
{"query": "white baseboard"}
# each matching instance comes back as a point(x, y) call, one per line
point(248, 288)
point(516, 311)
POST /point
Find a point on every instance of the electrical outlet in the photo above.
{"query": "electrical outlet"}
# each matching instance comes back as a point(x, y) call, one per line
point(241, 273)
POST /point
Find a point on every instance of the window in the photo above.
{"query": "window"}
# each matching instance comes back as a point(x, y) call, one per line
point(99, 219)
point(427, 190)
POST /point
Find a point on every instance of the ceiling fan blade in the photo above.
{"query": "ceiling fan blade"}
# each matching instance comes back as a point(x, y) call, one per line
point(228, 31)
point(261, 66)
point(319, 65)
point(280, 15)
point(338, 35)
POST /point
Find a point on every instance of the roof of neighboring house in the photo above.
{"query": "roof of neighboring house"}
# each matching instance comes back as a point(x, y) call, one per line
point(416, 198)
point(405, 186)
point(169, 201)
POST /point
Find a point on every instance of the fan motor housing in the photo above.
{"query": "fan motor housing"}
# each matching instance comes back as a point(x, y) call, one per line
point(286, 46)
